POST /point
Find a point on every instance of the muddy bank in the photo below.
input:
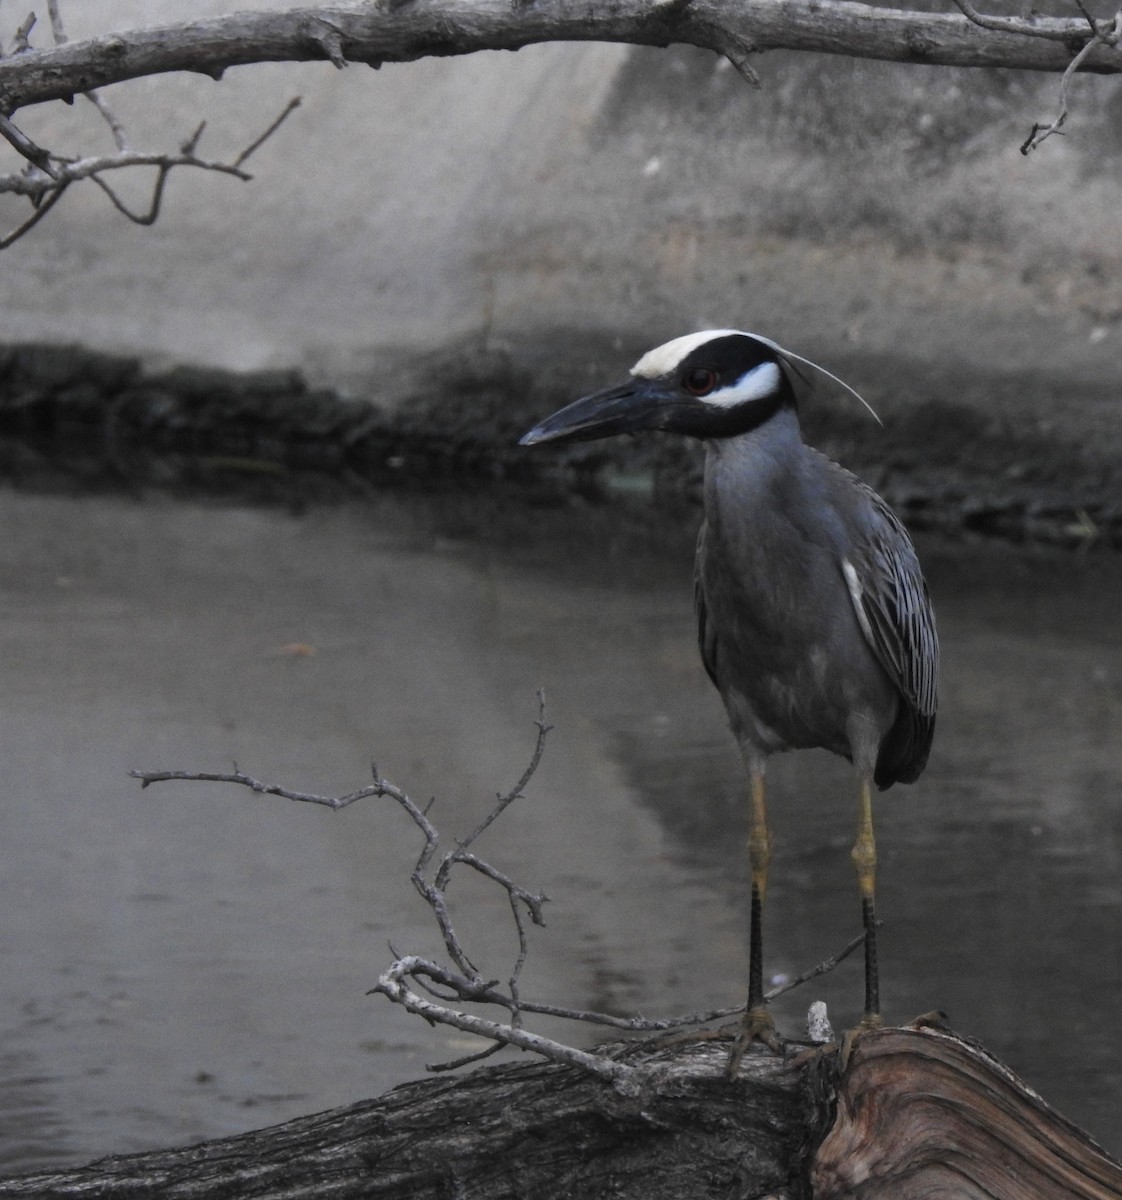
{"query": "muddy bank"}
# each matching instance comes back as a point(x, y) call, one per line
point(970, 464)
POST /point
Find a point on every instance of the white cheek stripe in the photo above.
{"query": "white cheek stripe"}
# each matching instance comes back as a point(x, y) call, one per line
point(663, 359)
point(762, 380)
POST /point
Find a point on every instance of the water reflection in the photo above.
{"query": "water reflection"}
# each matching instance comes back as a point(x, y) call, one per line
point(191, 961)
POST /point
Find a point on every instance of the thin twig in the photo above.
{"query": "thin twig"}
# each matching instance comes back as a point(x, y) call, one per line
point(57, 31)
point(1088, 16)
point(390, 985)
point(739, 53)
point(266, 789)
point(515, 793)
point(20, 142)
point(466, 1060)
point(72, 170)
point(1102, 34)
point(138, 218)
point(54, 172)
point(40, 212)
point(489, 994)
point(825, 966)
point(20, 43)
point(290, 107)
point(110, 118)
point(1011, 24)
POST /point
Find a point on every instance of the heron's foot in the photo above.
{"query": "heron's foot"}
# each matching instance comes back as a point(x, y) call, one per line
point(757, 1026)
point(935, 1019)
point(845, 1049)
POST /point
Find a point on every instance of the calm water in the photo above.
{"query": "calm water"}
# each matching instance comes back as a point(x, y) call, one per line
point(191, 960)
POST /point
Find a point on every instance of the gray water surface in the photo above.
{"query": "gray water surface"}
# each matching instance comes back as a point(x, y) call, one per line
point(191, 960)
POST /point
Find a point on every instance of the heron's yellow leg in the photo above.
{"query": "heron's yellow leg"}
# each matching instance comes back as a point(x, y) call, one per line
point(759, 838)
point(865, 847)
point(865, 860)
point(758, 1024)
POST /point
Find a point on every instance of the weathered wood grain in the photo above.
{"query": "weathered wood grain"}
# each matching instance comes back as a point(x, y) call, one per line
point(922, 1113)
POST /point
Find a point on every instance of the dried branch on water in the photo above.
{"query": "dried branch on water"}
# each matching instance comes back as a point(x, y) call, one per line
point(430, 989)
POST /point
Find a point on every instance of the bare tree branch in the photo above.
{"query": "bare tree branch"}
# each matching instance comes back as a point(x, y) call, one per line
point(379, 788)
point(377, 33)
point(51, 174)
point(71, 170)
point(1104, 33)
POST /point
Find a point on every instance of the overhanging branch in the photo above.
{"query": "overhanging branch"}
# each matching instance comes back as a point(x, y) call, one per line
point(377, 33)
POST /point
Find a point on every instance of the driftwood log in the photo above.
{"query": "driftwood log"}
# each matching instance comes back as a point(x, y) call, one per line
point(916, 1112)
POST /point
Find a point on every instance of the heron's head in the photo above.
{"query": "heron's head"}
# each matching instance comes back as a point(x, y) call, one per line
point(713, 384)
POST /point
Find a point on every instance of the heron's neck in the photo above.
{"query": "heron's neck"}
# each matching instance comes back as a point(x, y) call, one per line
point(752, 474)
point(761, 452)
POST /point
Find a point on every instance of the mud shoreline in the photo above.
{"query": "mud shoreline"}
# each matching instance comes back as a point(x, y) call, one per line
point(72, 414)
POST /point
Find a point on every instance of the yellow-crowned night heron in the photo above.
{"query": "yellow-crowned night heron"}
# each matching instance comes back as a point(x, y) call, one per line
point(813, 616)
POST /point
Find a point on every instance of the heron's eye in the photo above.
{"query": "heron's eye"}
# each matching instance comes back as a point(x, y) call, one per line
point(700, 381)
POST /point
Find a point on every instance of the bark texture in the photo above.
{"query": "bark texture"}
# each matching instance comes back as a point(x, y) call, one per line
point(378, 33)
point(537, 1130)
point(917, 1112)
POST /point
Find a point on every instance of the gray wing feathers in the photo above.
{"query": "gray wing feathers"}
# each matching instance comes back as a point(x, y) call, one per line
point(706, 636)
point(894, 611)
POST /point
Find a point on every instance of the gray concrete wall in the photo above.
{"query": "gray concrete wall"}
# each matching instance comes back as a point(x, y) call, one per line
point(591, 197)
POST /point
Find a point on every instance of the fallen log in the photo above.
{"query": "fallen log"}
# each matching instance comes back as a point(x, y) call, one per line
point(916, 1112)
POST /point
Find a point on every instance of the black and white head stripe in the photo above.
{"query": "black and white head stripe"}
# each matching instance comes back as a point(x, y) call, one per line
point(740, 368)
point(745, 365)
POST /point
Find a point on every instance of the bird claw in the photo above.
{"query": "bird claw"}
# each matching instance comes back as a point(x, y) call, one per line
point(849, 1038)
point(936, 1019)
point(757, 1026)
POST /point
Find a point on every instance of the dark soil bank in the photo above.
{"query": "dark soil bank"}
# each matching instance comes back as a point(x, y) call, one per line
point(966, 464)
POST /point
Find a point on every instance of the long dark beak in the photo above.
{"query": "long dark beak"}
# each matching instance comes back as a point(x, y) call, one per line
point(626, 408)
